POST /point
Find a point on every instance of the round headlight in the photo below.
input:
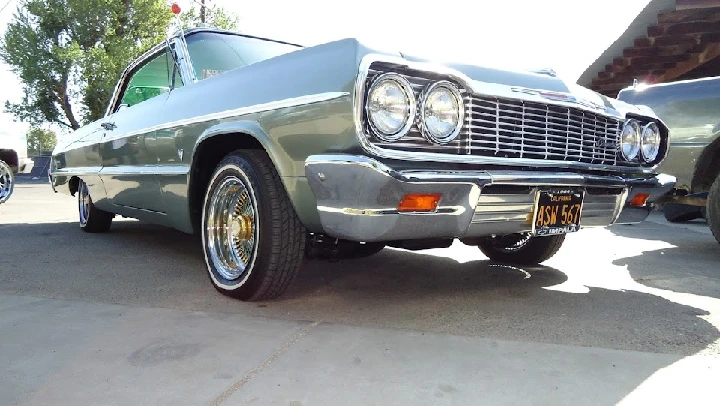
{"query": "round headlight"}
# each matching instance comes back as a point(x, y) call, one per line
point(442, 112)
point(630, 140)
point(391, 106)
point(650, 142)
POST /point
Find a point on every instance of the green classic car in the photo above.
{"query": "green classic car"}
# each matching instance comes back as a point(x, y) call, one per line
point(275, 153)
point(691, 109)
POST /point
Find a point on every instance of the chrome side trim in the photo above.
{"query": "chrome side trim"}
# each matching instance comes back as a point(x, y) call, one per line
point(76, 171)
point(486, 89)
point(682, 144)
point(122, 170)
point(161, 170)
point(221, 115)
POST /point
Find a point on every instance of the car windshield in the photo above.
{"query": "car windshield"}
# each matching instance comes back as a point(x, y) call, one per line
point(215, 53)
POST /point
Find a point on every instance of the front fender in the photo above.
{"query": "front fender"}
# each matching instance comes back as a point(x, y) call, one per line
point(296, 186)
point(283, 163)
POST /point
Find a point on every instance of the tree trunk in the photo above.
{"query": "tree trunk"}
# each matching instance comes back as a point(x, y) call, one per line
point(64, 102)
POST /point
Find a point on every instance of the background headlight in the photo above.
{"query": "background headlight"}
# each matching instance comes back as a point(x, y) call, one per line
point(442, 112)
point(391, 106)
point(650, 142)
point(630, 140)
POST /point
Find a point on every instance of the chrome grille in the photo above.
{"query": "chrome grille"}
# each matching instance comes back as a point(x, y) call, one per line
point(509, 128)
point(519, 129)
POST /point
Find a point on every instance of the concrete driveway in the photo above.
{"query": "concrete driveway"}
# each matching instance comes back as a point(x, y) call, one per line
point(627, 314)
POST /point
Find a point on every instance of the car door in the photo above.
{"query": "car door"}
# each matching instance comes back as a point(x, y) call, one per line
point(129, 159)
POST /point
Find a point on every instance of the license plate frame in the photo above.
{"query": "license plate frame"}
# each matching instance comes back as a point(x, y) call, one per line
point(557, 212)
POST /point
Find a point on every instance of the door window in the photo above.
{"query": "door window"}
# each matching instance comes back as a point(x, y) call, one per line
point(152, 79)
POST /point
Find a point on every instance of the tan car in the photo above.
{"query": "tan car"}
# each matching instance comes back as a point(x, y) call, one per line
point(691, 109)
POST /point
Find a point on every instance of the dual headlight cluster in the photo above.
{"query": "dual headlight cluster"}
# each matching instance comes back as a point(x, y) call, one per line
point(392, 109)
point(640, 141)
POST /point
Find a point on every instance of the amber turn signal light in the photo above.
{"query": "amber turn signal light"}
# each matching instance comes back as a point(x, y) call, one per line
point(639, 199)
point(417, 202)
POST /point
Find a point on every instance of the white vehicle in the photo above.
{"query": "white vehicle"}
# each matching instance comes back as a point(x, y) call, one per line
point(13, 151)
point(13, 159)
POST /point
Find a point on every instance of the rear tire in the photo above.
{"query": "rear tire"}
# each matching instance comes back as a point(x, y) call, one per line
point(357, 250)
point(523, 250)
point(678, 213)
point(713, 208)
point(253, 241)
point(92, 219)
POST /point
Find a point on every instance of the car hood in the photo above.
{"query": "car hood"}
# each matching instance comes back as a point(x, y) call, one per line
point(542, 86)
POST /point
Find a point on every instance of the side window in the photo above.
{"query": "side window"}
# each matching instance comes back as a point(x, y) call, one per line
point(150, 80)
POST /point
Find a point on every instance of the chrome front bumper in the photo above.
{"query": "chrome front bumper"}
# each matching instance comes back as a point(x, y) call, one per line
point(357, 199)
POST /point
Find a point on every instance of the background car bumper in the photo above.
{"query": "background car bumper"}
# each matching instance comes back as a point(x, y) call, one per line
point(357, 199)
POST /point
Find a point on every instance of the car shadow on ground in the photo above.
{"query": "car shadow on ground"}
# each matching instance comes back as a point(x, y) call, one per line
point(145, 265)
point(689, 263)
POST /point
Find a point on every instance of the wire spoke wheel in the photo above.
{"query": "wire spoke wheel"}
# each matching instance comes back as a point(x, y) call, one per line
point(521, 248)
point(513, 243)
point(232, 228)
point(6, 182)
point(84, 203)
point(250, 254)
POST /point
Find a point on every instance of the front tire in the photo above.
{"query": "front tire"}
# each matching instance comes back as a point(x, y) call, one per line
point(680, 213)
point(713, 208)
point(521, 249)
point(252, 239)
point(92, 219)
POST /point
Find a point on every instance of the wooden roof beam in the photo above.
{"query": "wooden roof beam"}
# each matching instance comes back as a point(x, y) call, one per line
point(694, 27)
point(710, 52)
point(687, 14)
point(695, 4)
point(656, 51)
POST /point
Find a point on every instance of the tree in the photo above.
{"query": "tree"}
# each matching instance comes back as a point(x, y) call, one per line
point(40, 140)
point(69, 54)
point(214, 16)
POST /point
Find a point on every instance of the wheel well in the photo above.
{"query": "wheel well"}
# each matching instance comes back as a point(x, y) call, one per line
point(707, 168)
point(206, 158)
point(74, 185)
point(10, 157)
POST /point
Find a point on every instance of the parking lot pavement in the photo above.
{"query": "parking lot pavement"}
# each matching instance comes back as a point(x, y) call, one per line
point(628, 313)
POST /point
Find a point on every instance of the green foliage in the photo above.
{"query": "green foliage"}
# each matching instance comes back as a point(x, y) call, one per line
point(40, 140)
point(215, 17)
point(65, 51)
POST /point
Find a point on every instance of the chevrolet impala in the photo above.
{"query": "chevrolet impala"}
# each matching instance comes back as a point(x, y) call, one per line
point(274, 153)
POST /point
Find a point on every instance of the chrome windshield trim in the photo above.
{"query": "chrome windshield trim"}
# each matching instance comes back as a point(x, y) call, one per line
point(481, 89)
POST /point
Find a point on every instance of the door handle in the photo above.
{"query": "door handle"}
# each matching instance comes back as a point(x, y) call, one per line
point(108, 126)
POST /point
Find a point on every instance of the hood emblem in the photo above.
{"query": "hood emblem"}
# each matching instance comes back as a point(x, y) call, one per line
point(559, 96)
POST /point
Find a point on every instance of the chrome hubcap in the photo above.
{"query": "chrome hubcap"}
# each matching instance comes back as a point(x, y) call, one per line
point(6, 182)
point(231, 228)
point(84, 203)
